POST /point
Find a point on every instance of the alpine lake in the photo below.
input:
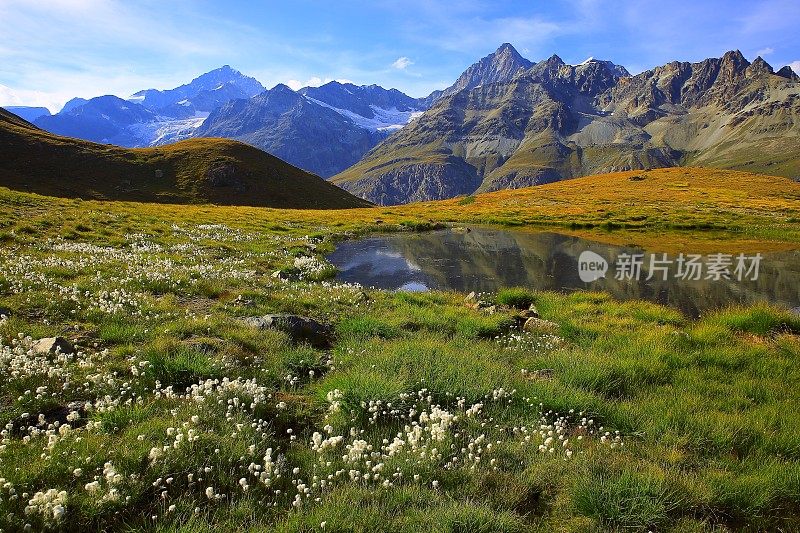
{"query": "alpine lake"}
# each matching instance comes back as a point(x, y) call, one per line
point(484, 260)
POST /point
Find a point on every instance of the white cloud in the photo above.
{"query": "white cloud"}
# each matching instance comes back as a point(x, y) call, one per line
point(765, 51)
point(53, 50)
point(402, 63)
point(35, 88)
point(795, 65)
point(13, 97)
point(314, 81)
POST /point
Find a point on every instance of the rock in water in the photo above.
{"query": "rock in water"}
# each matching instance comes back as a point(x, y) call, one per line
point(299, 328)
point(53, 345)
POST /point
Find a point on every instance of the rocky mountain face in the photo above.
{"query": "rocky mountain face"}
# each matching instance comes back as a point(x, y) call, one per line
point(28, 113)
point(202, 95)
point(72, 104)
point(320, 129)
point(507, 123)
point(296, 129)
point(499, 66)
point(371, 105)
point(105, 119)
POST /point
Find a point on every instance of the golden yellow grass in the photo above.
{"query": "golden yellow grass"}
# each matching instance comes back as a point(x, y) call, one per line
point(670, 207)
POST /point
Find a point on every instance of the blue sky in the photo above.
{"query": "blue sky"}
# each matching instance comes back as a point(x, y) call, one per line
point(51, 50)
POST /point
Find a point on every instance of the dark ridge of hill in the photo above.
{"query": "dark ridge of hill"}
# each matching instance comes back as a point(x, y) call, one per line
point(218, 171)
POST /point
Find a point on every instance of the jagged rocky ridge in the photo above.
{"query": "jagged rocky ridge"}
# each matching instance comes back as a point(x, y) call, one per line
point(509, 123)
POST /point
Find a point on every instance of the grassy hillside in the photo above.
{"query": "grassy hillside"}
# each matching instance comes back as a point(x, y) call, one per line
point(424, 414)
point(753, 206)
point(669, 198)
point(195, 171)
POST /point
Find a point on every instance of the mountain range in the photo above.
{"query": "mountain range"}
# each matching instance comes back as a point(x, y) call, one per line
point(321, 129)
point(506, 122)
point(150, 117)
point(29, 113)
point(509, 123)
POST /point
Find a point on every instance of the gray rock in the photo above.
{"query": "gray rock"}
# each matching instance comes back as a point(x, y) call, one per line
point(52, 345)
point(299, 328)
point(523, 316)
point(538, 325)
point(361, 296)
point(286, 275)
point(226, 175)
point(543, 374)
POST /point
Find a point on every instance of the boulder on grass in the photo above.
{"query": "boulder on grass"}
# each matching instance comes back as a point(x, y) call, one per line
point(299, 328)
point(539, 325)
point(53, 345)
point(544, 374)
point(529, 313)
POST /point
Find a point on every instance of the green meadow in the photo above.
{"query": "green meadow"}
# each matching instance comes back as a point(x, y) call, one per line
point(422, 412)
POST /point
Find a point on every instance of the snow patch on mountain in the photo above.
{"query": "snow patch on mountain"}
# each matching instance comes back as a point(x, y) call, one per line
point(386, 120)
point(167, 130)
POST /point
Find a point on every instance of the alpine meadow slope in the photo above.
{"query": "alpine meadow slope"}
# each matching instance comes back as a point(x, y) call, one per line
point(507, 124)
point(216, 171)
point(167, 405)
point(453, 296)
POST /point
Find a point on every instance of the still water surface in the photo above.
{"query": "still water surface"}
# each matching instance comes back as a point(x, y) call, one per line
point(485, 260)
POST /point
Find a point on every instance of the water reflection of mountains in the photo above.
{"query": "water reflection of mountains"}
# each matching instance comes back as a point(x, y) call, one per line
point(487, 259)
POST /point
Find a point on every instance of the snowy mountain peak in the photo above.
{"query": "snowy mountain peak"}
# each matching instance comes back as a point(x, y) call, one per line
point(205, 93)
